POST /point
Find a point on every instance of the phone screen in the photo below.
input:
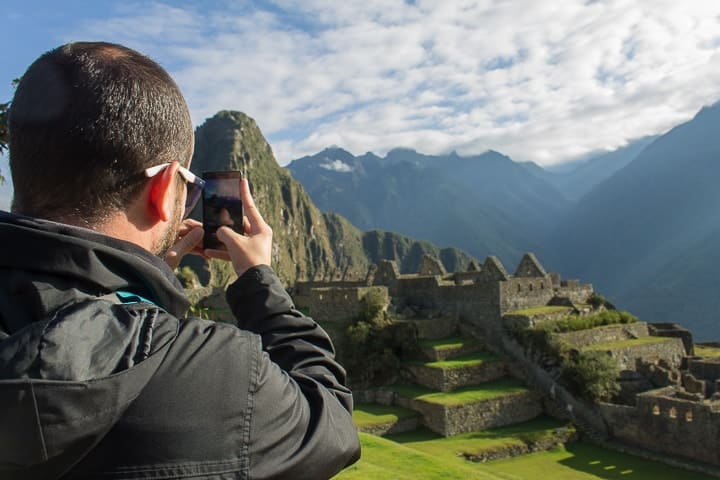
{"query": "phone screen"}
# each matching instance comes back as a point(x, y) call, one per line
point(221, 205)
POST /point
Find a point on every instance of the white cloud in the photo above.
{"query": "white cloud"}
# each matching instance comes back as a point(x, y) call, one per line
point(336, 166)
point(542, 81)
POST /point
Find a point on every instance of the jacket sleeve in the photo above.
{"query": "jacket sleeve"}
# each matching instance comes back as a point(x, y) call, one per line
point(301, 423)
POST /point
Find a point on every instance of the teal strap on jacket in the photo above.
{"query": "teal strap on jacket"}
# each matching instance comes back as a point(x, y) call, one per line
point(129, 297)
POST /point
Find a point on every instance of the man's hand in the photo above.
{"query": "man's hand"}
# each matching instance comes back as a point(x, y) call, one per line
point(190, 238)
point(249, 250)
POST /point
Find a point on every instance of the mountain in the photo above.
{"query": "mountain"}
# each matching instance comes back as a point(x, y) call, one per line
point(578, 178)
point(485, 204)
point(307, 243)
point(647, 236)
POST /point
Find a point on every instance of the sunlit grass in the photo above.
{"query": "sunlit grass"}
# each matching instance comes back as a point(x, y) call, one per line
point(464, 395)
point(388, 460)
point(633, 342)
point(366, 414)
point(475, 443)
point(449, 343)
point(707, 351)
point(544, 310)
point(469, 360)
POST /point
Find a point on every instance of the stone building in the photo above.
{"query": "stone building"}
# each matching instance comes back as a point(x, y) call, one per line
point(479, 296)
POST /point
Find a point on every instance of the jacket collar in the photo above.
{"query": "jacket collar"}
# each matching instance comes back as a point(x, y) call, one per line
point(75, 254)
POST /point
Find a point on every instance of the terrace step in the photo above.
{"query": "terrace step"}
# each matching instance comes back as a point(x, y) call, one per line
point(471, 408)
point(433, 328)
point(449, 347)
point(447, 375)
point(647, 349)
point(382, 420)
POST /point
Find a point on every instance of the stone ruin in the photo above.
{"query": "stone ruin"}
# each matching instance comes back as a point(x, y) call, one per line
point(670, 399)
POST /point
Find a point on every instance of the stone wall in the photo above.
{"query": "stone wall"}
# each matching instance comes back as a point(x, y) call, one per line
point(434, 328)
point(577, 293)
point(707, 369)
point(662, 422)
point(675, 331)
point(449, 420)
point(608, 333)
point(334, 304)
point(671, 350)
point(476, 303)
point(447, 379)
point(522, 292)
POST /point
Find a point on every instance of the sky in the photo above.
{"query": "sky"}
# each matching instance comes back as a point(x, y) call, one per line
point(549, 82)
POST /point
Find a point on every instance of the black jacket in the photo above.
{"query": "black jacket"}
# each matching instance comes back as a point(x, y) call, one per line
point(102, 377)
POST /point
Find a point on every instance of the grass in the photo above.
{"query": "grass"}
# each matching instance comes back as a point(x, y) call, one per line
point(581, 461)
point(385, 459)
point(469, 360)
point(366, 414)
point(449, 343)
point(544, 310)
point(707, 351)
point(476, 442)
point(633, 342)
point(464, 395)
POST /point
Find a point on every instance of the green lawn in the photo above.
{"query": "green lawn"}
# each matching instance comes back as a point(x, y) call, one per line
point(469, 360)
point(626, 343)
point(581, 461)
point(476, 442)
point(545, 310)
point(449, 343)
point(366, 414)
point(461, 396)
point(387, 460)
point(707, 351)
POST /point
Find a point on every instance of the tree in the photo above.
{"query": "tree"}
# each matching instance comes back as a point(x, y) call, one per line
point(4, 131)
point(593, 375)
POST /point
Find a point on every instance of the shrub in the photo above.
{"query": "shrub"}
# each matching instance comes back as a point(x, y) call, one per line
point(596, 301)
point(593, 375)
point(372, 306)
point(374, 344)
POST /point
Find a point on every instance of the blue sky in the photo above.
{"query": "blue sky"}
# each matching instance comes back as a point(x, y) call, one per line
point(542, 81)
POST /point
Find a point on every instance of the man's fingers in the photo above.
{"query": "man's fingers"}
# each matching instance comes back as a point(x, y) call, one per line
point(250, 210)
point(188, 243)
point(219, 254)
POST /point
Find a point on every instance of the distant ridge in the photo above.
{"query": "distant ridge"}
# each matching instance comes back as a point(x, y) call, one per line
point(647, 236)
point(308, 244)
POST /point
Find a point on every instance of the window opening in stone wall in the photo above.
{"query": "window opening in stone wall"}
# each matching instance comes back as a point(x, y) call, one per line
point(673, 413)
point(542, 286)
point(530, 287)
point(656, 410)
point(519, 288)
point(688, 416)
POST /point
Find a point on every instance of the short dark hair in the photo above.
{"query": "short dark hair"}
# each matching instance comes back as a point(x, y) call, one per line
point(86, 120)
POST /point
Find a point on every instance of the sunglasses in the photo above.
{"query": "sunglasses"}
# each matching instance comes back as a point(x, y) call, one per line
point(194, 184)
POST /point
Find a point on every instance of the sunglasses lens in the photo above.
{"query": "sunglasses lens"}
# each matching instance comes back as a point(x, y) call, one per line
point(193, 195)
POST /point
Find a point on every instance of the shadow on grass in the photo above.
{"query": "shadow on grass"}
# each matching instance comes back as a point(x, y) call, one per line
point(609, 465)
point(526, 431)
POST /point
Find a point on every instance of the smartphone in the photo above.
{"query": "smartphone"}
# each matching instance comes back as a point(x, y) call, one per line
point(221, 205)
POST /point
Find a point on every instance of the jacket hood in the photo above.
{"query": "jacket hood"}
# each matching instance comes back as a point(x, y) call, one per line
point(72, 356)
point(67, 257)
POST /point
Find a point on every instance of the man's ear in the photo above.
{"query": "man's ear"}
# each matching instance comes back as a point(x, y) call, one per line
point(162, 193)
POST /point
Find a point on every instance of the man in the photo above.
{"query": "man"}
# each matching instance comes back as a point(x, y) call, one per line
point(101, 373)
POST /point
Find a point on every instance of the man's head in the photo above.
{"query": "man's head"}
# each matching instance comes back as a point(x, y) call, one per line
point(86, 121)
